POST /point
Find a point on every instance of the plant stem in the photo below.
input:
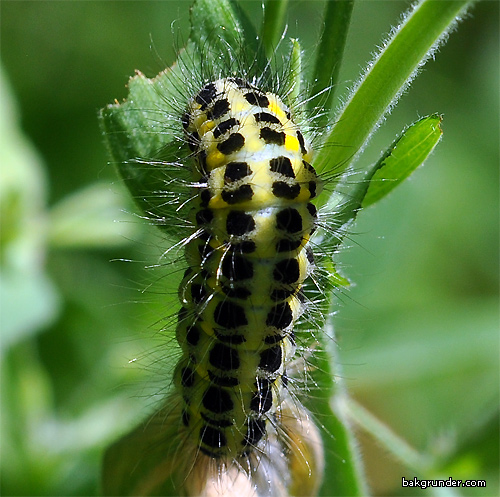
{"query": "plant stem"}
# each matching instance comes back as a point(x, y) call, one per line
point(330, 51)
point(382, 433)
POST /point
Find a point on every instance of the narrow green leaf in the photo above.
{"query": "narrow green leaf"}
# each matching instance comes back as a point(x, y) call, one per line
point(404, 155)
point(295, 73)
point(330, 52)
point(272, 24)
point(405, 51)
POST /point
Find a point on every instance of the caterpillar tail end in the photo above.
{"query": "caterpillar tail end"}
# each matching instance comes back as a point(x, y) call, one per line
point(154, 459)
point(291, 465)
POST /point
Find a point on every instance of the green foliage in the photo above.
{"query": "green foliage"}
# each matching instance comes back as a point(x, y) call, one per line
point(386, 78)
point(417, 338)
point(25, 287)
point(406, 153)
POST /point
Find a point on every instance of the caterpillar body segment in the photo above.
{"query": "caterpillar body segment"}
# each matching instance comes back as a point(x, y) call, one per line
point(248, 259)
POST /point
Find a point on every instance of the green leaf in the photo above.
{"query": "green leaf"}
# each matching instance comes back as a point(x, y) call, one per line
point(385, 79)
point(329, 53)
point(405, 154)
point(143, 146)
point(136, 128)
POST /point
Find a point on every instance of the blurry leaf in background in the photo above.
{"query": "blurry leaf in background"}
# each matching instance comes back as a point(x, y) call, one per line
point(36, 440)
point(29, 300)
point(91, 217)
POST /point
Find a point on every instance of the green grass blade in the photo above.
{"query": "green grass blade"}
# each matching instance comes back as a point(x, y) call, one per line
point(295, 74)
point(404, 155)
point(407, 49)
point(272, 24)
point(330, 51)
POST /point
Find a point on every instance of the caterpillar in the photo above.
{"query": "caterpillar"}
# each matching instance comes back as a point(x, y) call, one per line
point(247, 261)
point(224, 164)
point(245, 188)
point(249, 182)
point(247, 256)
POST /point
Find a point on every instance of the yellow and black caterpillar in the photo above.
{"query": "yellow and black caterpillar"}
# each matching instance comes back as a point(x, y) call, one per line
point(216, 159)
point(247, 258)
point(232, 187)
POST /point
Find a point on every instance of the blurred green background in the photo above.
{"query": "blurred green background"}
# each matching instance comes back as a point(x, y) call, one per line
point(418, 333)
